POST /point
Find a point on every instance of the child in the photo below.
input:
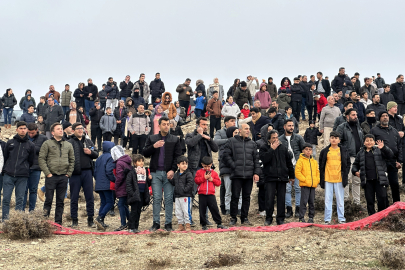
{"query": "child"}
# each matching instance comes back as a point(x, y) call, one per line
point(207, 179)
point(148, 113)
point(151, 107)
point(334, 166)
point(242, 120)
point(157, 102)
point(108, 124)
point(183, 193)
point(370, 166)
point(137, 191)
point(307, 172)
point(41, 107)
point(245, 110)
point(41, 125)
point(124, 128)
point(102, 95)
point(321, 102)
point(311, 136)
point(199, 104)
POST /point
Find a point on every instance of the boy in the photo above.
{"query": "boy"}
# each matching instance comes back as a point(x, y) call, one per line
point(199, 104)
point(41, 125)
point(183, 192)
point(151, 107)
point(370, 166)
point(108, 124)
point(310, 136)
point(102, 95)
point(296, 98)
point(156, 102)
point(334, 166)
point(148, 112)
point(207, 179)
point(42, 106)
point(307, 172)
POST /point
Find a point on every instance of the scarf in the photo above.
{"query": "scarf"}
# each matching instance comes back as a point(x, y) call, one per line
point(259, 115)
point(156, 110)
point(216, 86)
point(140, 170)
point(117, 152)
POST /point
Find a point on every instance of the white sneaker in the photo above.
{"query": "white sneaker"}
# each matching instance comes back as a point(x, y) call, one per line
point(262, 213)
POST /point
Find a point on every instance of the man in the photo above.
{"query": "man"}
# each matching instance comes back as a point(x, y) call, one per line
point(305, 86)
point(380, 83)
point(258, 121)
point(376, 105)
point(96, 113)
point(53, 114)
point(67, 131)
point(295, 144)
point(396, 122)
point(126, 88)
point(28, 117)
point(341, 80)
point(120, 114)
point(278, 169)
point(35, 171)
point(185, 92)
point(82, 177)
point(242, 95)
point(56, 159)
point(277, 119)
point(66, 99)
point(342, 98)
point(42, 106)
point(27, 100)
point(52, 91)
point(351, 137)
point(359, 106)
point(251, 86)
point(112, 93)
point(367, 87)
point(398, 91)
point(278, 110)
point(391, 137)
point(342, 118)
point(90, 94)
point(241, 156)
point(264, 99)
point(370, 122)
point(139, 127)
point(143, 88)
point(386, 96)
point(214, 107)
point(322, 86)
point(328, 115)
point(79, 95)
point(73, 115)
point(272, 89)
point(157, 87)
point(163, 150)
point(357, 84)
point(337, 103)
point(296, 96)
point(216, 87)
point(258, 105)
point(220, 139)
point(18, 158)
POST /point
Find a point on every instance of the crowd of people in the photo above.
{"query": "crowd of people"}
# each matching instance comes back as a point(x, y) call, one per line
point(254, 127)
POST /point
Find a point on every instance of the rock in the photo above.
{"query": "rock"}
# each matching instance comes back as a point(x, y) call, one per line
point(34, 243)
point(297, 248)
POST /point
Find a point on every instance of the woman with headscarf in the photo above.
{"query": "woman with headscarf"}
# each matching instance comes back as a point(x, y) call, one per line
point(154, 119)
point(216, 87)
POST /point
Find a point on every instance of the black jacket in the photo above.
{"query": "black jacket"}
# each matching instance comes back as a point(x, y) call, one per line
point(131, 182)
point(179, 133)
point(365, 127)
point(357, 86)
point(95, 116)
point(241, 156)
point(78, 99)
point(391, 138)
point(339, 120)
point(385, 98)
point(183, 184)
point(126, 89)
point(201, 87)
point(112, 90)
point(19, 156)
point(39, 139)
point(346, 137)
point(311, 135)
point(157, 88)
point(305, 87)
point(296, 92)
point(41, 108)
point(380, 155)
point(277, 164)
point(361, 111)
point(9, 101)
point(172, 151)
point(91, 88)
point(256, 127)
point(345, 164)
point(78, 148)
point(52, 115)
point(396, 122)
point(339, 80)
point(278, 123)
point(119, 128)
point(297, 144)
point(377, 108)
point(325, 85)
point(397, 90)
point(194, 151)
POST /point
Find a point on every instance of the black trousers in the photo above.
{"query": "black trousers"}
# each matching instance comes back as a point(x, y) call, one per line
point(135, 214)
point(401, 109)
point(184, 104)
point(215, 122)
point(371, 190)
point(138, 143)
point(210, 202)
point(107, 136)
point(262, 197)
point(96, 134)
point(58, 183)
point(222, 192)
point(238, 185)
point(307, 197)
point(271, 189)
point(296, 109)
point(310, 109)
point(393, 180)
point(315, 112)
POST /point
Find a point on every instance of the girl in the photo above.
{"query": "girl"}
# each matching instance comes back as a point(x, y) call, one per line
point(245, 110)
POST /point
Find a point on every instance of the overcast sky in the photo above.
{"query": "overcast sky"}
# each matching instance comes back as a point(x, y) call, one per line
point(58, 42)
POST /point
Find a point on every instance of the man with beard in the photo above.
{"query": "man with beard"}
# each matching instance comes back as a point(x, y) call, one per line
point(277, 119)
point(370, 122)
point(359, 106)
point(143, 87)
point(337, 101)
point(367, 87)
point(341, 80)
point(376, 105)
point(398, 91)
point(185, 92)
point(258, 121)
point(342, 119)
point(126, 88)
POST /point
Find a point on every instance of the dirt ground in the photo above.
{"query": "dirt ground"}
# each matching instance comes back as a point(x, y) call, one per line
point(305, 248)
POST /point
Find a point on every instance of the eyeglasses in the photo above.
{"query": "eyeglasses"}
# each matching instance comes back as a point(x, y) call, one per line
point(79, 128)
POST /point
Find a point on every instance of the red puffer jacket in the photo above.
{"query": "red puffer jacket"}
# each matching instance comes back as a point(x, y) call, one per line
point(206, 187)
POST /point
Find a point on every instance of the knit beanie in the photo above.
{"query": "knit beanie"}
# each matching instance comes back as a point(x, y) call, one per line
point(243, 84)
point(381, 113)
point(66, 124)
point(391, 104)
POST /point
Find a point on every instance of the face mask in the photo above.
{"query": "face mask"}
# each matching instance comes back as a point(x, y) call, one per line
point(371, 120)
point(136, 94)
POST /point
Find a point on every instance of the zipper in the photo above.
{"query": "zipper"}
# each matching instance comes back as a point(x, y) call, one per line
point(18, 153)
point(244, 159)
point(376, 171)
point(310, 167)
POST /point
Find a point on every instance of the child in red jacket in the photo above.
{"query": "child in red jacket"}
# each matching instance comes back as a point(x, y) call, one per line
point(207, 179)
point(245, 110)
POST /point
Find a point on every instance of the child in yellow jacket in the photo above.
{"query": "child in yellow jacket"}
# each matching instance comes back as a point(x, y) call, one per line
point(307, 172)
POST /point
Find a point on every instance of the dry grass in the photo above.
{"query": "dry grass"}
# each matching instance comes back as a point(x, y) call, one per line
point(393, 257)
point(394, 222)
point(159, 233)
point(222, 260)
point(159, 263)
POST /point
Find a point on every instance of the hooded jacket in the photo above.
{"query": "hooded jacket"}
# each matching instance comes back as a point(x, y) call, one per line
point(183, 184)
point(242, 96)
point(169, 108)
point(126, 89)
point(66, 98)
point(122, 163)
point(307, 171)
point(283, 100)
point(339, 80)
point(103, 172)
point(264, 98)
point(345, 164)
point(91, 89)
point(108, 123)
point(143, 93)
point(277, 164)
point(200, 87)
point(311, 135)
point(19, 156)
point(157, 88)
point(52, 115)
point(200, 103)
point(78, 98)
point(56, 157)
point(130, 108)
point(206, 187)
point(347, 139)
point(272, 89)
point(230, 109)
point(24, 102)
point(391, 138)
point(139, 123)
point(194, 150)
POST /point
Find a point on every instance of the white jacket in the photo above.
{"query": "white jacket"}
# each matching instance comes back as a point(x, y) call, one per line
point(230, 110)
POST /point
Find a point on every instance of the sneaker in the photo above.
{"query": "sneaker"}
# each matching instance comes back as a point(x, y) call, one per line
point(262, 213)
point(134, 231)
point(327, 222)
point(192, 224)
point(111, 212)
point(302, 220)
point(168, 227)
point(155, 227)
point(121, 228)
point(209, 224)
point(100, 223)
point(41, 195)
point(342, 222)
point(246, 222)
point(90, 222)
point(232, 222)
point(268, 222)
point(310, 220)
point(204, 228)
point(220, 226)
point(280, 222)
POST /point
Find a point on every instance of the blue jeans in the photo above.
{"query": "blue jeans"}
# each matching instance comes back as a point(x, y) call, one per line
point(123, 209)
point(88, 104)
point(159, 181)
point(64, 109)
point(303, 106)
point(8, 113)
point(340, 203)
point(32, 186)
point(9, 182)
point(197, 112)
point(107, 202)
point(297, 190)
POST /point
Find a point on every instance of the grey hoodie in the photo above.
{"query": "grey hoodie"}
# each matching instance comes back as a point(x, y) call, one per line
point(108, 123)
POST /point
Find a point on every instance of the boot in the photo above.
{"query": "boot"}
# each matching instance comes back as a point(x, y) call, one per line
point(289, 212)
point(297, 211)
point(75, 223)
point(9, 126)
point(180, 228)
point(90, 222)
point(188, 227)
point(100, 223)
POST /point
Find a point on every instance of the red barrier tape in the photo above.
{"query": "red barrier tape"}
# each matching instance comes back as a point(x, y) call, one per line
point(360, 224)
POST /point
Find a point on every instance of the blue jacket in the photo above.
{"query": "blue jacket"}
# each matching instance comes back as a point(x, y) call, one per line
point(103, 172)
point(27, 118)
point(27, 103)
point(138, 101)
point(199, 103)
point(361, 111)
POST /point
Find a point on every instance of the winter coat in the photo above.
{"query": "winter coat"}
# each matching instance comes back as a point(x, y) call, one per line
point(325, 86)
point(339, 80)
point(385, 98)
point(296, 125)
point(145, 93)
point(41, 108)
point(179, 133)
point(255, 127)
point(102, 96)
point(138, 101)
point(307, 171)
point(283, 100)
point(95, 116)
point(27, 118)
point(183, 184)
point(241, 97)
point(346, 137)
point(55, 94)
point(132, 188)
point(66, 98)
point(221, 139)
point(396, 122)
point(365, 127)
point(200, 103)
point(157, 88)
point(38, 141)
point(108, 123)
point(377, 108)
point(278, 123)
point(370, 90)
point(194, 151)
point(172, 151)
point(264, 98)
point(52, 115)
point(41, 128)
point(111, 90)
point(139, 123)
point(8, 101)
point(380, 156)
point(230, 92)
point(130, 108)
point(230, 110)
point(214, 107)
point(345, 164)
point(379, 82)
point(211, 89)
point(206, 187)
point(122, 118)
point(79, 117)
point(56, 158)
point(184, 94)
point(91, 89)
point(79, 96)
point(169, 108)
point(126, 89)
point(398, 91)
point(391, 138)
point(241, 156)
point(272, 89)
point(338, 121)
point(26, 103)
point(122, 163)
point(277, 164)
point(297, 144)
point(366, 103)
point(311, 135)
point(251, 87)
point(245, 112)
point(103, 172)
point(297, 93)
point(78, 148)
point(19, 156)
point(200, 87)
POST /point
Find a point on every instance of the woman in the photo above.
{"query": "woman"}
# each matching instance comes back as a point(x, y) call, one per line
point(167, 105)
point(285, 86)
point(216, 87)
point(86, 120)
point(177, 131)
point(232, 89)
point(9, 102)
point(154, 119)
point(230, 108)
point(79, 95)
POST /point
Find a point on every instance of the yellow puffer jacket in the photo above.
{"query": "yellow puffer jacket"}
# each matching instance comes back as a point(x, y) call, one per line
point(307, 171)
